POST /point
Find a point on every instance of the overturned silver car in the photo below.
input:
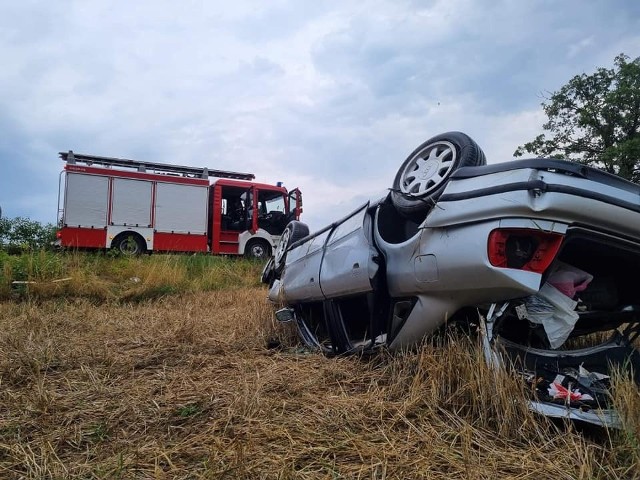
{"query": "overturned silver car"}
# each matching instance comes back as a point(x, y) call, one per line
point(542, 254)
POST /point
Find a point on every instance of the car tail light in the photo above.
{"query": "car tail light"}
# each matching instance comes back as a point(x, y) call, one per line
point(58, 234)
point(523, 249)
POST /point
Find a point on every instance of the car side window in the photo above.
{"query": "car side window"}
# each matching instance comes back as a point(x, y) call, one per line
point(353, 223)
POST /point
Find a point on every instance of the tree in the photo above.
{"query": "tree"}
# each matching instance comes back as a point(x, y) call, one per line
point(595, 120)
point(17, 234)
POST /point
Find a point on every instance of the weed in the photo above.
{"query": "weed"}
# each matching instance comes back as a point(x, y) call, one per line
point(189, 410)
point(99, 432)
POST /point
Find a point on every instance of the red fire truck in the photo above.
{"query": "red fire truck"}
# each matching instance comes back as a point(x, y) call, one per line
point(134, 206)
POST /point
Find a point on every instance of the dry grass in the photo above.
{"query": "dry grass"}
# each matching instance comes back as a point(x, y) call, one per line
point(183, 387)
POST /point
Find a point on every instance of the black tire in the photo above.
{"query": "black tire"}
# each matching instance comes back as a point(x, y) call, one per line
point(129, 243)
point(293, 232)
point(268, 272)
point(257, 249)
point(423, 176)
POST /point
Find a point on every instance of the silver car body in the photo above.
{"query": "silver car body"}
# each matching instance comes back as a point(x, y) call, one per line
point(410, 278)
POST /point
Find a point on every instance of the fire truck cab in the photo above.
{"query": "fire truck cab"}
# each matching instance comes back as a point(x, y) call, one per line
point(135, 207)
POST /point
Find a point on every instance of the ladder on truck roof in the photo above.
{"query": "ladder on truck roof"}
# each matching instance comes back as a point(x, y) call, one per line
point(72, 158)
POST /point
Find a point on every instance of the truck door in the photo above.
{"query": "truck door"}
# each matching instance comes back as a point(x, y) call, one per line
point(295, 204)
point(235, 212)
point(272, 210)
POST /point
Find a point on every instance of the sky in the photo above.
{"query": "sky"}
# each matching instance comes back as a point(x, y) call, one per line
point(327, 96)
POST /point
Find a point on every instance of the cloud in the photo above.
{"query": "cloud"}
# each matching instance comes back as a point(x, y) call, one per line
point(576, 48)
point(330, 97)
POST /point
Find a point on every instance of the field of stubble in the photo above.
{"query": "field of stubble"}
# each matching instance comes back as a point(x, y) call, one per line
point(154, 379)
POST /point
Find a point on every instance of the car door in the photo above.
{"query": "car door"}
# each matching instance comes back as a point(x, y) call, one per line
point(349, 263)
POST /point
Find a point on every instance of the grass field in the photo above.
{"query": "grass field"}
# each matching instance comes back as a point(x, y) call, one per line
point(157, 367)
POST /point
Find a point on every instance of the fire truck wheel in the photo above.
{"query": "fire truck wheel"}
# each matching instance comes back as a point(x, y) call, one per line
point(257, 249)
point(129, 243)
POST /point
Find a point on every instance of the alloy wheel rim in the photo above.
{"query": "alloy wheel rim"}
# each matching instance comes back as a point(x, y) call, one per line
point(428, 169)
point(282, 246)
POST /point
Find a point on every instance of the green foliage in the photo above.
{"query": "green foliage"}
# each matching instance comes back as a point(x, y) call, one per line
point(102, 277)
point(99, 432)
point(595, 120)
point(189, 410)
point(21, 234)
point(39, 265)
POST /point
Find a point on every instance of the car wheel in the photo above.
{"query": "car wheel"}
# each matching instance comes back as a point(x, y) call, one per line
point(423, 176)
point(130, 244)
point(293, 232)
point(257, 249)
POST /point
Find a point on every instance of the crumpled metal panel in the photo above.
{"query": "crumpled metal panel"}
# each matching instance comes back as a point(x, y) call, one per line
point(301, 277)
point(348, 266)
point(337, 262)
point(569, 208)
